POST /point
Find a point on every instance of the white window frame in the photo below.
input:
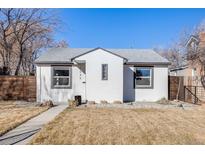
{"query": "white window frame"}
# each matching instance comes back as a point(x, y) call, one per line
point(58, 77)
point(151, 77)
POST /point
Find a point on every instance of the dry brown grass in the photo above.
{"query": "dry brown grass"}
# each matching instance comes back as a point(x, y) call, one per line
point(124, 126)
point(12, 115)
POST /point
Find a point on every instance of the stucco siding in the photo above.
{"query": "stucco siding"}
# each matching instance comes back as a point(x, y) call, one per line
point(96, 88)
point(44, 90)
point(159, 90)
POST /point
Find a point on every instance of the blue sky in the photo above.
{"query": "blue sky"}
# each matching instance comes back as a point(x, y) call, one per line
point(125, 28)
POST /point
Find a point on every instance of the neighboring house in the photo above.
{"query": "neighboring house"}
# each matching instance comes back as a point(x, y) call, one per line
point(190, 68)
point(101, 74)
point(186, 70)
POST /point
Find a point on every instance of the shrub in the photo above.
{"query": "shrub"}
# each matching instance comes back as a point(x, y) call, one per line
point(48, 103)
point(72, 103)
point(163, 101)
point(117, 102)
point(91, 102)
point(103, 102)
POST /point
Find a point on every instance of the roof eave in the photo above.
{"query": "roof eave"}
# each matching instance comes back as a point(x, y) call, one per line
point(53, 62)
point(178, 68)
point(148, 63)
point(97, 49)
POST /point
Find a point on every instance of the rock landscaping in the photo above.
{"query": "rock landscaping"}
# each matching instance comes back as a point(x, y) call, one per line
point(157, 105)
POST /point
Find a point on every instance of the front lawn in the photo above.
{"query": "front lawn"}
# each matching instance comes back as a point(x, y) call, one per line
point(12, 114)
point(124, 126)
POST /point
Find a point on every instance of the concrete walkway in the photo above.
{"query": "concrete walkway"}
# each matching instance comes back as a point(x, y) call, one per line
point(24, 133)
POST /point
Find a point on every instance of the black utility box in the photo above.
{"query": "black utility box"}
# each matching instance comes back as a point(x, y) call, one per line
point(78, 99)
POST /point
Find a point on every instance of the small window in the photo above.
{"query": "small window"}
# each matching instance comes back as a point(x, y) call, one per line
point(104, 71)
point(194, 72)
point(143, 77)
point(61, 77)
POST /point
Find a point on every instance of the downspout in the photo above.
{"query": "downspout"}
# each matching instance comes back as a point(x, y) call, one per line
point(40, 85)
point(85, 84)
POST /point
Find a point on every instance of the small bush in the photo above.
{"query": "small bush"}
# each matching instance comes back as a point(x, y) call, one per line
point(48, 103)
point(103, 102)
point(72, 103)
point(117, 102)
point(91, 102)
point(163, 101)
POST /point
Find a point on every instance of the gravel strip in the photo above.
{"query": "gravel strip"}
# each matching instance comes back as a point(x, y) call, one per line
point(133, 105)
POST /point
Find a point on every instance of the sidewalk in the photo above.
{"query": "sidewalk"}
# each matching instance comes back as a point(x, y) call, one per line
point(24, 133)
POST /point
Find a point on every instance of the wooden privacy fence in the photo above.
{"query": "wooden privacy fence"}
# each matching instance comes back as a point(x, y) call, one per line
point(176, 88)
point(18, 88)
point(187, 89)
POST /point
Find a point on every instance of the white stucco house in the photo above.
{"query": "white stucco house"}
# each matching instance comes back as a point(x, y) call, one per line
point(101, 74)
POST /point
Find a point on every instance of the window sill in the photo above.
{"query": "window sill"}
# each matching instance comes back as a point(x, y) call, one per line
point(144, 87)
point(61, 87)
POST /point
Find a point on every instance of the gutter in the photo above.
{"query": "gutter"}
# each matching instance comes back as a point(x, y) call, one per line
point(148, 63)
point(53, 62)
point(179, 68)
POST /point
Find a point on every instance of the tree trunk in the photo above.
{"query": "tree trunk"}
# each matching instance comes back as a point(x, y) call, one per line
point(19, 63)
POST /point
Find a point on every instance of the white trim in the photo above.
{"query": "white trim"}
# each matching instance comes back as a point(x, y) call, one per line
point(189, 40)
point(92, 50)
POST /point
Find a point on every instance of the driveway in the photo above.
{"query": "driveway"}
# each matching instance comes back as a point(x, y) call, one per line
point(24, 133)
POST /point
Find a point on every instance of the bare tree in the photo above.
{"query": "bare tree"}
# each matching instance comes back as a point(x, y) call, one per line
point(7, 40)
point(33, 47)
point(24, 33)
point(195, 52)
point(172, 54)
point(61, 44)
point(32, 24)
point(176, 51)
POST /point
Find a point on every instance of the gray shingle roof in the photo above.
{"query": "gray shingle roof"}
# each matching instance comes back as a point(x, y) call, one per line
point(64, 55)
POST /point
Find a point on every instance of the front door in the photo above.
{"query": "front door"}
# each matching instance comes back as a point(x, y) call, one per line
point(81, 81)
